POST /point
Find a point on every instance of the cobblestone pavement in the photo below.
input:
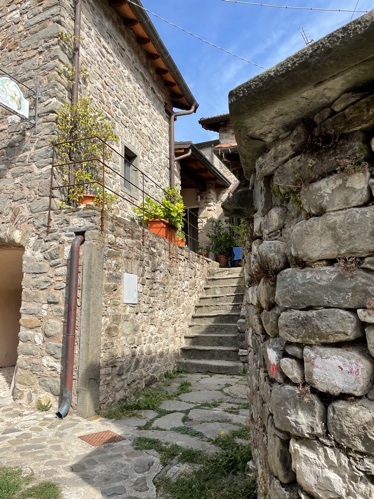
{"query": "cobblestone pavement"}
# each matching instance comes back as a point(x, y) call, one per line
point(53, 451)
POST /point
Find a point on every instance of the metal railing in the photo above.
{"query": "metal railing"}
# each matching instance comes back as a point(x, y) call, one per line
point(110, 181)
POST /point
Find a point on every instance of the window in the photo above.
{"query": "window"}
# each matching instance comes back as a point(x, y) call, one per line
point(130, 172)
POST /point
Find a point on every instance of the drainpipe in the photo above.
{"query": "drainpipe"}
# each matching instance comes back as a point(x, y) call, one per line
point(77, 46)
point(179, 158)
point(173, 117)
point(71, 325)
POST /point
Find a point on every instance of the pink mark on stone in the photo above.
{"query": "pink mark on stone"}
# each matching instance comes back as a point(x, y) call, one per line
point(273, 369)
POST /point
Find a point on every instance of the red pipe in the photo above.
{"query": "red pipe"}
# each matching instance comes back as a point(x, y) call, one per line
point(71, 325)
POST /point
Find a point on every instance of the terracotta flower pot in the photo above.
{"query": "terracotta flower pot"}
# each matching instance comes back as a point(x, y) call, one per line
point(162, 228)
point(222, 260)
point(86, 198)
point(179, 241)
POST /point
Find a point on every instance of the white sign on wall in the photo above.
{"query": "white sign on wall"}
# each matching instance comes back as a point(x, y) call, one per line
point(12, 97)
point(130, 288)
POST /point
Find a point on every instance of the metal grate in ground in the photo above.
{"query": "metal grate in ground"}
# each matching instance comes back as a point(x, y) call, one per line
point(101, 438)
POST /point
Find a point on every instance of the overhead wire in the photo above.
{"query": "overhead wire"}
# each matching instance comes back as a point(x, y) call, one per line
point(256, 4)
point(197, 36)
point(353, 13)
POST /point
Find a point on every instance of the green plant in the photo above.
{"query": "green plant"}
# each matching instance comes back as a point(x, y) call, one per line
point(184, 387)
point(13, 485)
point(222, 238)
point(169, 451)
point(82, 149)
point(43, 404)
point(171, 208)
point(290, 192)
point(220, 476)
point(145, 400)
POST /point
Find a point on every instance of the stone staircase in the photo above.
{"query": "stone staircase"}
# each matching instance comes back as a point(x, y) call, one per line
point(212, 343)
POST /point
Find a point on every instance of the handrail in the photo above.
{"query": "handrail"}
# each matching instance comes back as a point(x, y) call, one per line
point(135, 195)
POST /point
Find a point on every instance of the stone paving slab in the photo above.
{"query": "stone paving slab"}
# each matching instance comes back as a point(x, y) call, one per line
point(52, 449)
point(203, 396)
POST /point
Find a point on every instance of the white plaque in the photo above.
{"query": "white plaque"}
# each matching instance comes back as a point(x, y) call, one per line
point(12, 97)
point(130, 288)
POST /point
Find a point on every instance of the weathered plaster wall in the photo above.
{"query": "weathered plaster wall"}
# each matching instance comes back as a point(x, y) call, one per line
point(309, 304)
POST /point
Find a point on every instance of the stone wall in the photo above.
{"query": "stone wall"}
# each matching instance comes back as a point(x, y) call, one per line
point(309, 306)
point(132, 348)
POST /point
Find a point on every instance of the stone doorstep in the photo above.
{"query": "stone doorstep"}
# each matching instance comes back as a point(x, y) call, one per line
point(219, 307)
point(214, 339)
point(212, 366)
point(210, 353)
point(217, 318)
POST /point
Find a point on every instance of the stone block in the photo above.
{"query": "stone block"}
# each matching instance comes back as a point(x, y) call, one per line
point(300, 415)
point(307, 168)
point(366, 315)
point(262, 196)
point(279, 457)
point(266, 294)
point(273, 351)
point(274, 220)
point(274, 253)
point(254, 319)
point(359, 116)
point(337, 192)
point(347, 99)
point(351, 424)
point(370, 339)
point(270, 321)
point(293, 369)
point(342, 234)
point(323, 287)
point(319, 326)
point(336, 371)
point(326, 472)
point(295, 351)
point(281, 152)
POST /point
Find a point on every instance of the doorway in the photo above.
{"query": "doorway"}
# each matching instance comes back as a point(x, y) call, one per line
point(10, 304)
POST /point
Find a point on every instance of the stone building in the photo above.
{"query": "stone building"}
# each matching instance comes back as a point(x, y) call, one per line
point(112, 272)
point(305, 133)
point(206, 183)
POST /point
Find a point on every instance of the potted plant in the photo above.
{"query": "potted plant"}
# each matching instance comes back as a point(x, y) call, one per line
point(81, 146)
point(180, 238)
point(222, 240)
point(164, 218)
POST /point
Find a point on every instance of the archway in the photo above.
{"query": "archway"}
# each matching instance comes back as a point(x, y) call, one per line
point(10, 304)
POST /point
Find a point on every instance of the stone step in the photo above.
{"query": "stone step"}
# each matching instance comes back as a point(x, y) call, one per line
point(211, 366)
point(214, 339)
point(195, 329)
point(223, 290)
point(232, 271)
point(229, 298)
point(216, 318)
point(210, 353)
point(225, 281)
point(218, 307)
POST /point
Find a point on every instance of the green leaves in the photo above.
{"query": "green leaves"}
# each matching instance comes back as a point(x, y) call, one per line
point(171, 208)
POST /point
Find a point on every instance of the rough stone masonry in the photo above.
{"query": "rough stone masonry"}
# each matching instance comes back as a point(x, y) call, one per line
point(305, 134)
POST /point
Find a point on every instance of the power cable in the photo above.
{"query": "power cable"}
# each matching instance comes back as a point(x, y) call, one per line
point(255, 4)
point(198, 37)
point(353, 13)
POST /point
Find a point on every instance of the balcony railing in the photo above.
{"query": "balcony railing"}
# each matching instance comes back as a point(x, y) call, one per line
point(115, 179)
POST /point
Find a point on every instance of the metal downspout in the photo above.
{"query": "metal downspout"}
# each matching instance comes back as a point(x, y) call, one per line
point(77, 46)
point(173, 117)
point(71, 324)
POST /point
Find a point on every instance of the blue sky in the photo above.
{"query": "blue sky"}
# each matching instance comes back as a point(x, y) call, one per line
point(265, 36)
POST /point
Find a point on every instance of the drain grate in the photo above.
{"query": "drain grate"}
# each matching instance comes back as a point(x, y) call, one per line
point(101, 438)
